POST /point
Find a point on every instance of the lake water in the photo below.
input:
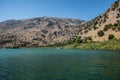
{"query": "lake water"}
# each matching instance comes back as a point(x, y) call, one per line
point(59, 64)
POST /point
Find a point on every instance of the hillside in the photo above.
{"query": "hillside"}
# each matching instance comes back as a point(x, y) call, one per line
point(51, 31)
point(36, 32)
point(100, 28)
point(102, 33)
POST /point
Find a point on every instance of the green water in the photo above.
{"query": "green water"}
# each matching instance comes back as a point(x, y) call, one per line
point(59, 64)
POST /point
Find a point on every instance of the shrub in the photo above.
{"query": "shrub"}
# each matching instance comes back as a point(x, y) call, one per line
point(118, 21)
point(114, 28)
point(111, 36)
point(116, 24)
point(118, 15)
point(100, 33)
point(87, 39)
point(108, 26)
point(105, 29)
point(118, 28)
point(86, 31)
point(78, 40)
point(95, 27)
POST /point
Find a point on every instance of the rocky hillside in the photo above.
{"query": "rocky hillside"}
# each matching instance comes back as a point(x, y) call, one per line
point(104, 26)
point(36, 32)
point(45, 31)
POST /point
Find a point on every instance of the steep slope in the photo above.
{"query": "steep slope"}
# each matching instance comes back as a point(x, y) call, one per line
point(41, 31)
point(100, 28)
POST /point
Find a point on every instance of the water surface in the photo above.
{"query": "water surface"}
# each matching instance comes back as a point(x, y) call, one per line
point(59, 64)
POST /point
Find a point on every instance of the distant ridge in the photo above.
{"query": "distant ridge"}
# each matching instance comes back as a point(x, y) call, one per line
point(41, 31)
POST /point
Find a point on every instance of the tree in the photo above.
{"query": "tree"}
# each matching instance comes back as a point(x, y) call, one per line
point(78, 40)
point(100, 33)
point(108, 26)
point(111, 36)
point(95, 27)
point(118, 15)
point(87, 39)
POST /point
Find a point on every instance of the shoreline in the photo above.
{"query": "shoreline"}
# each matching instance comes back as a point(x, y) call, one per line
point(106, 45)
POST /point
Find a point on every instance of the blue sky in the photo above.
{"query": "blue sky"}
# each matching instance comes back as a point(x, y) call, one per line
point(82, 9)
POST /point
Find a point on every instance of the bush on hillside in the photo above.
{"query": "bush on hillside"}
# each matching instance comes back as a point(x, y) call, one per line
point(111, 36)
point(87, 39)
point(95, 27)
point(108, 26)
point(100, 33)
point(118, 15)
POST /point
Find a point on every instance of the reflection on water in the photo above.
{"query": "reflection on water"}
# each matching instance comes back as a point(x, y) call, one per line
point(58, 64)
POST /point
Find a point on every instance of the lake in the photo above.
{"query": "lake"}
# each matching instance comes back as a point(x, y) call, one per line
point(59, 64)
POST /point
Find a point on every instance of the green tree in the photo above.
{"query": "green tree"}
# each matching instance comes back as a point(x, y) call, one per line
point(87, 39)
point(118, 15)
point(111, 36)
point(100, 33)
point(108, 26)
point(78, 40)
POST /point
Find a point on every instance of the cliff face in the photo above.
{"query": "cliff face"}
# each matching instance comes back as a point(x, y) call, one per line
point(41, 31)
point(107, 23)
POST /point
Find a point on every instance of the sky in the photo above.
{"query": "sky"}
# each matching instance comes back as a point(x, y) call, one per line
point(81, 9)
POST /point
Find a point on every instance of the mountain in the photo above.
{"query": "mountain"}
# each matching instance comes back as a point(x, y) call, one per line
point(103, 26)
point(45, 31)
point(37, 32)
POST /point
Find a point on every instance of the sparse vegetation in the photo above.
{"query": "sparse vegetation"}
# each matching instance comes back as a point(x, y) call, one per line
point(115, 5)
point(115, 26)
point(108, 26)
point(105, 18)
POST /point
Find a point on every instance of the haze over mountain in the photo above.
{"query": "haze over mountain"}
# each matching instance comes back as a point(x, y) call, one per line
point(44, 31)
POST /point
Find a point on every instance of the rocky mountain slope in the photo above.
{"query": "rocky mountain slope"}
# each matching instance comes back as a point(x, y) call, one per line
point(103, 26)
point(45, 31)
point(36, 32)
